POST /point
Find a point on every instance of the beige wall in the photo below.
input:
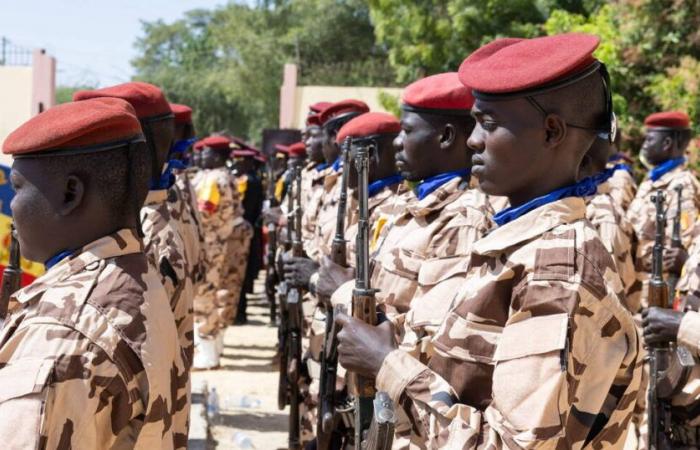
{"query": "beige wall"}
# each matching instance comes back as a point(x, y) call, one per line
point(15, 100)
point(308, 95)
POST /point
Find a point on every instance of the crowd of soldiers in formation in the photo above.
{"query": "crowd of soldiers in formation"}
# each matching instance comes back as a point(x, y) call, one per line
point(482, 273)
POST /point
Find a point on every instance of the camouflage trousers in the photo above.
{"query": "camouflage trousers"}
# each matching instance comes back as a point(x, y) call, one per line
point(235, 264)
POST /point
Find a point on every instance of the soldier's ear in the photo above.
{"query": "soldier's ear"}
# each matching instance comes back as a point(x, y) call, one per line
point(73, 194)
point(448, 136)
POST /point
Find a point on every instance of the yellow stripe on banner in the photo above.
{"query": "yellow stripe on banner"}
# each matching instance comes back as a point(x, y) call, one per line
point(377, 232)
point(32, 268)
point(209, 192)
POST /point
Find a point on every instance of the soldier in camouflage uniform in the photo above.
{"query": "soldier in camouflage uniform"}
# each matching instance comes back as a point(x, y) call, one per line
point(219, 206)
point(666, 140)
point(608, 218)
point(623, 186)
point(90, 355)
point(182, 201)
point(537, 350)
point(682, 326)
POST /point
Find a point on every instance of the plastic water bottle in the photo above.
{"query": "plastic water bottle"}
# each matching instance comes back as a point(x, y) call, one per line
point(244, 401)
point(213, 405)
point(242, 440)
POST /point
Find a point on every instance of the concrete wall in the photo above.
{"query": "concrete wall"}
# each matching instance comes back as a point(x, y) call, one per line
point(15, 100)
point(24, 92)
point(295, 100)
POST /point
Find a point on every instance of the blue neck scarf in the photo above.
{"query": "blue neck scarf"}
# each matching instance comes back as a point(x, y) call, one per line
point(319, 167)
point(665, 167)
point(427, 186)
point(376, 186)
point(167, 178)
point(57, 258)
point(585, 187)
point(337, 164)
point(181, 145)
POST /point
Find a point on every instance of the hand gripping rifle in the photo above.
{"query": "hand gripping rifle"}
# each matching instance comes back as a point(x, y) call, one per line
point(11, 276)
point(282, 292)
point(327, 417)
point(676, 239)
point(294, 312)
point(374, 413)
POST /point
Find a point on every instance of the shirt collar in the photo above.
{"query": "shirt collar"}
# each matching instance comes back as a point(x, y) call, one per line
point(122, 242)
point(156, 197)
point(665, 167)
point(427, 186)
point(532, 224)
point(437, 199)
point(376, 186)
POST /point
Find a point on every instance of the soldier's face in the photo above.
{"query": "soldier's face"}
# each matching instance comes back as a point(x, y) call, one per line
point(416, 145)
point(508, 156)
point(211, 159)
point(34, 210)
point(314, 144)
point(657, 147)
point(331, 150)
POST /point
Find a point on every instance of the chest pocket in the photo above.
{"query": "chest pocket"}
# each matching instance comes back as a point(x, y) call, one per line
point(438, 280)
point(22, 396)
point(397, 277)
point(528, 376)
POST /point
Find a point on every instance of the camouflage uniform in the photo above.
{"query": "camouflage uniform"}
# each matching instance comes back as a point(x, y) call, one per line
point(618, 237)
point(216, 200)
point(642, 215)
point(90, 356)
point(622, 188)
point(182, 203)
point(312, 191)
point(327, 214)
point(686, 404)
point(535, 346)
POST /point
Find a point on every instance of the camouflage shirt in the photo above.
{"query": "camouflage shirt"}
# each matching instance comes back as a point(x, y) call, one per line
point(165, 249)
point(618, 237)
point(434, 227)
point(90, 356)
point(182, 203)
point(622, 188)
point(642, 216)
point(536, 350)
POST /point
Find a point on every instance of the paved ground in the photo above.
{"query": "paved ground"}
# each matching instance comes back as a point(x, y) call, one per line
point(246, 370)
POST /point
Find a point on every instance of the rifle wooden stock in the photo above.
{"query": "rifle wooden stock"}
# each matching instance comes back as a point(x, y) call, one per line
point(12, 275)
point(659, 354)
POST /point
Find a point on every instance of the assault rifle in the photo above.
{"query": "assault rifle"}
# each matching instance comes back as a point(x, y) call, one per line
point(282, 291)
point(374, 414)
point(669, 366)
point(657, 410)
point(294, 318)
point(676, 239)
point(12, 275)
point(327, 416)
point(271, 276)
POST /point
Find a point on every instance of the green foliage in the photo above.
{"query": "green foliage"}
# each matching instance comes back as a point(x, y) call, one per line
point(64, 94)
point(431, 36)
point(390, 103)
point(227, 63)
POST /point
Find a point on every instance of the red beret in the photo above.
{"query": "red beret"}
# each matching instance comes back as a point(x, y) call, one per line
point(198, 146)
point(313, 120)
point(369, 124)
point(148, 100)
point(183, 113)
point(442, 92)
point(260, 157)
point(509, 65)
point(668, 119)
point(216, 142)
point(242, 152)
point(282, 148)
point(342, 108)
point(297, 149)
point(95, 124)
point(318, 107)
